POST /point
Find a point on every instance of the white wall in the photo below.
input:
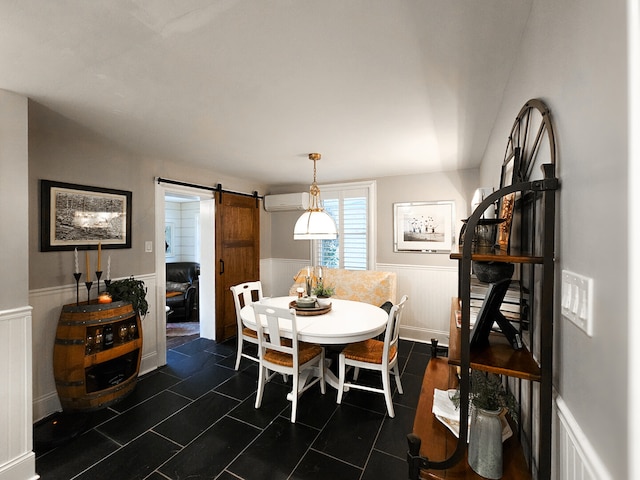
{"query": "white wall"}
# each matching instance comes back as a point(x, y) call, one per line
point(634, 227)
point(184, 220)
point(62, 150)
point(14, 257)
point(189, 232)
point(573, 56)
point(173, 221)
point(429, 279)
point(457, 186)
point(16, 439)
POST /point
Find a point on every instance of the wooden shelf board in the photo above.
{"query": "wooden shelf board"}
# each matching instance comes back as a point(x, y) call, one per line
point(497, 255)
point(116, 351)
point(438, 442)
point(499, 357)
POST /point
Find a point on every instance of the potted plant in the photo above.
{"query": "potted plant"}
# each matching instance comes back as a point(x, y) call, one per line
point(488, 393)
point(323, 292)
point(488, 399)
point(130, 290)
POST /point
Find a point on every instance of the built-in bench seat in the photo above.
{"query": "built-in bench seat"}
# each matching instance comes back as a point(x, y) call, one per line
point(370, 286)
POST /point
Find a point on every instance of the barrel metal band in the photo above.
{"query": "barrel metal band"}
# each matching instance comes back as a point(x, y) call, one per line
point(112, 389)
point(70, 384)
point(70, 341)
point(96, 321)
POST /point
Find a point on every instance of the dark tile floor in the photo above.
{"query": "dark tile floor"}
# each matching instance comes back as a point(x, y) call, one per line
point(195, 419)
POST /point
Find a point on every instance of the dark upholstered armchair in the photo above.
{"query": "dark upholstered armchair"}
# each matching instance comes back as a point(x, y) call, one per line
point(182, 289)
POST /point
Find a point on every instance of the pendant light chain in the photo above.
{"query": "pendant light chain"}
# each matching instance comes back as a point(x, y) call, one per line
point(314, 190)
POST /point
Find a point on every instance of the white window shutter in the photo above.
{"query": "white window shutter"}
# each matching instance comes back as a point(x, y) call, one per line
point(350, 206)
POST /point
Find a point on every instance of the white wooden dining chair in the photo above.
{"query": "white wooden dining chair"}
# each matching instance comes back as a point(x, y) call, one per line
point(245, 294)
point(286, 356)
point(378, 355)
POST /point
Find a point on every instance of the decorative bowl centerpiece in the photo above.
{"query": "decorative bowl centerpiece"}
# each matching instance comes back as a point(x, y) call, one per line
point(306, 302)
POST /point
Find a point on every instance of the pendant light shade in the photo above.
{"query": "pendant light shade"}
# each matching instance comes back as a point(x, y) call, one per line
point(315, 226)
point(315, 223)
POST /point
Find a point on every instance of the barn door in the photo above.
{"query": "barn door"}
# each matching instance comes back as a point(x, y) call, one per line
point(237, 254)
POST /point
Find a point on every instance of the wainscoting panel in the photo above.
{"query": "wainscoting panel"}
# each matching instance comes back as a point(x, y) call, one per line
point(277, 274)
point(577, 460)
point(47, 304)
point(430, 290)
point(16, 439)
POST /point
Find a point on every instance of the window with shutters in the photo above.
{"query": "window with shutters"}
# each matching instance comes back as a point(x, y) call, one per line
point(352, 207)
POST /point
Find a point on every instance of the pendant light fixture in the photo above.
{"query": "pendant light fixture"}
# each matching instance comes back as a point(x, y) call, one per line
point(315, 223)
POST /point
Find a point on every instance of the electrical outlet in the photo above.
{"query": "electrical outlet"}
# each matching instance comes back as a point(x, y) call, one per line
point(577, 300)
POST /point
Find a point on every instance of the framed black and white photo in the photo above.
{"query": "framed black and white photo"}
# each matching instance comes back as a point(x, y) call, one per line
point(426, 227)
point(79, 216)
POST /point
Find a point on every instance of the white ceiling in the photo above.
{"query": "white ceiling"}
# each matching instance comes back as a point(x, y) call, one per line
point(250, 87)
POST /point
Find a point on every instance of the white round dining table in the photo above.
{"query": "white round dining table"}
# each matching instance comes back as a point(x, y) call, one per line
point(346, 322)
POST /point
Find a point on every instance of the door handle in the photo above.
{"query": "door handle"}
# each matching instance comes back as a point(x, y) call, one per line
point(221, 266)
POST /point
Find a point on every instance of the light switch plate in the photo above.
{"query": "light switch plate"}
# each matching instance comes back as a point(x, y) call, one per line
point(577, 300)
point(148, 246)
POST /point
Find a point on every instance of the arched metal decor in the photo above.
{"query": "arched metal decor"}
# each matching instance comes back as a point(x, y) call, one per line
point(529, 192)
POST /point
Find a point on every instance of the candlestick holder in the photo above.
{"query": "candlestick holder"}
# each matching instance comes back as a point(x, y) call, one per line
point(98, 275)
point(77, 276)
point(88, 284)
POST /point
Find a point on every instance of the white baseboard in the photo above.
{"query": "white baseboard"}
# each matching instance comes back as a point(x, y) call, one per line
point(148, 363)
point(46, 405)
point(424, 335)
point(22, 468)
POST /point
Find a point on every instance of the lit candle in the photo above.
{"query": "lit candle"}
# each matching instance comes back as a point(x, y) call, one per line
point(75, 256)
point(109, 267)
point(86, 257)
point(104, 298)
point(99, 256)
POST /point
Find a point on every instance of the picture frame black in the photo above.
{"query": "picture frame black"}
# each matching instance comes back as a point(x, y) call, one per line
point(81, 216)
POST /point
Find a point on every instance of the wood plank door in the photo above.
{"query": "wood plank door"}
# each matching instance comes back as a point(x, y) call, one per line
point(237, 254)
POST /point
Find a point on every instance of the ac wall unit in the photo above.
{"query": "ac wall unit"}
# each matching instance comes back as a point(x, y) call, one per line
point(286, 202)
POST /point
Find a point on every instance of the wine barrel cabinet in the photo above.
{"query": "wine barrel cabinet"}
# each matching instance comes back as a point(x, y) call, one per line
point(96, 355)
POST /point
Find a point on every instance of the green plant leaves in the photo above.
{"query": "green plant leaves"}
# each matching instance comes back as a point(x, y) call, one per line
point(130, 290)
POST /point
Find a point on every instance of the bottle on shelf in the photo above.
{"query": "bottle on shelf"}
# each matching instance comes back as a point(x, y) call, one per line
point(108, 336)
point(99, 337)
